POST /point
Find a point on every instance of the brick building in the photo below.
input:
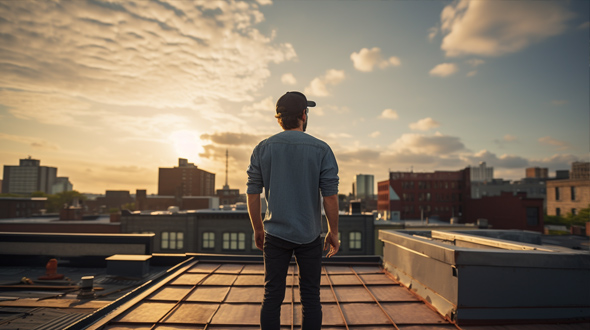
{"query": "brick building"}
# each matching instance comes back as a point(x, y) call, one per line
point(185, 180)
point(21, 207)
point(537, 172)
point(409, 195)
point(506, 211)
point(570, 195)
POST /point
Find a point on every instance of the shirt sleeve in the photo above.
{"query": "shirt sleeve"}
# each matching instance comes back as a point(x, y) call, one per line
point(329, 175)
point(254, 183)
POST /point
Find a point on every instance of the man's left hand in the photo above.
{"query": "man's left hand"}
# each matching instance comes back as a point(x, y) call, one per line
point(259, 239)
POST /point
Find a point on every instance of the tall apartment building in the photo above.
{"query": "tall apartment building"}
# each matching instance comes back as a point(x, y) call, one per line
point(61, 184)
point(363, 186)
point(28, 177)
point(537, 172)
point(409, 195)
point(481, 173)
point(185, 180)
point(570, 195)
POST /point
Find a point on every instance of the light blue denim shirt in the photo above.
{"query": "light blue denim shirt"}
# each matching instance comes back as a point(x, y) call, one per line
point(296, 170)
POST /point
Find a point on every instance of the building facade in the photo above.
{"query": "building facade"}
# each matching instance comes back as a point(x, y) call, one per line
point(28, 177)
point(363, 186)
point(481, 173)
point(230, 232)
point(569, 196)
point(185, 180)
point(537, 172)
point(506, 211)
point(61, 184)
point(410, 195)
point(21, 207)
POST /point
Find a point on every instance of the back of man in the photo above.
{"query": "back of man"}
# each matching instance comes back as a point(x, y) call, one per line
point(296, 170)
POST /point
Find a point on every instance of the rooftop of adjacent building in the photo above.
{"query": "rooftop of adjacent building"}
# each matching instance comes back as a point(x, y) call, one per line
point(212, 291)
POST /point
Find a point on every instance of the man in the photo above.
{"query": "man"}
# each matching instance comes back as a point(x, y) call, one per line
point(296, 170)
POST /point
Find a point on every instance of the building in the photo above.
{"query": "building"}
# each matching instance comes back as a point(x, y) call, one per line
point(61, 184)
point(537, 172)
point(534, 187)
point(185, 180)
point(230, 232)
point(363, 186)
point(427, 280)
point(28, 177)
point(506, 211)
point(580, 170)
point(145, 202)
point(568, 196)
point(21, 207)
point(481, 173)
point(408, 195)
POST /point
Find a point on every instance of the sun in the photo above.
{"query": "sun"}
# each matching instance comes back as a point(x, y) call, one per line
point(187, 144)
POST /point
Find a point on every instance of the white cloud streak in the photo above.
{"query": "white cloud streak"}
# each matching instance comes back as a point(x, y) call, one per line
point(424, 124)
point(389, 114)
point(444, 70)
point(367, 59)
point(139, 53)
point(319, 86)
point(494, 28)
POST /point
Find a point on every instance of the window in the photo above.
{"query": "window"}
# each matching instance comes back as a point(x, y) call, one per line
point(172, 240)
point(354, 240)
point(208, 240)
point(573, 193)
point(234, 241)
point(573, 211)
point(556, 193)
point(558, 211)
point(532, 216)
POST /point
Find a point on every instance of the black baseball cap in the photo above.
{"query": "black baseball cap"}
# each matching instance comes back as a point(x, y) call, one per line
point(293, 103)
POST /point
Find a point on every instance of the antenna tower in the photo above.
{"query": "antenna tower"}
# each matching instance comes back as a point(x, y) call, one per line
point(226, 186)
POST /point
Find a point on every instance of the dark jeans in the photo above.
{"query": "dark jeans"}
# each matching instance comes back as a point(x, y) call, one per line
point(277, 256)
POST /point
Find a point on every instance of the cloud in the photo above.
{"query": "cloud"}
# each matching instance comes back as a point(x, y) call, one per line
point(424, 124)
point(265, 105)
point(367, 59)
point(548, 140)
point(31, 141)
point(432, 32)
point(319, 85)
point(389, 114)
point(362, 155)
point(584, 26)
point(45, 107)
point(504, 161)
point(144, 53)
point(494, 28)
point(230, 138)
point(444, 70)
point(475, 62)
point(288, 79)
point(437, 144)
point(375, 134)
point(471, 73)
point(559, 103)
point(556, 162)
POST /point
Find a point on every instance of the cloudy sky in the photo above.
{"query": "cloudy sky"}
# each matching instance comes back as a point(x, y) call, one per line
point(108, 91)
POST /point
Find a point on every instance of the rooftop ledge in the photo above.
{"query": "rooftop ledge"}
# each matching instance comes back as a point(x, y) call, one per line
point(473, 279)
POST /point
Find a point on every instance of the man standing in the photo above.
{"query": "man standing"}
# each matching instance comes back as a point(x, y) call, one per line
point(296, 170)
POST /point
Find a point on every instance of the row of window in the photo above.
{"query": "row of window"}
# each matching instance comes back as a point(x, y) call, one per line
point(572, 193)
point(234, 241)
point(558, 211)
point(435, 184)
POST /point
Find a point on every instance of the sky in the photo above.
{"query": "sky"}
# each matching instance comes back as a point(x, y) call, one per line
point(109, 91)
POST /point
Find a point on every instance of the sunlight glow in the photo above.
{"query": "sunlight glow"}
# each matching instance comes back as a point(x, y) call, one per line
point(187, 144)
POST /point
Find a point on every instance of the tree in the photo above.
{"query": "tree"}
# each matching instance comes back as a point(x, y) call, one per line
point(569, 220)
point(58, 201)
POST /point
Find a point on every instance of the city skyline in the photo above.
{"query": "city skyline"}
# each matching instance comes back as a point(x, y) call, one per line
point(108, 92)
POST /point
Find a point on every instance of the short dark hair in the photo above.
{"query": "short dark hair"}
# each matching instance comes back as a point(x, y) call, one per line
point(289, 121)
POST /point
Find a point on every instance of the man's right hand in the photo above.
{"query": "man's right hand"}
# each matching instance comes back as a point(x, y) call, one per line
point(332, 242)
